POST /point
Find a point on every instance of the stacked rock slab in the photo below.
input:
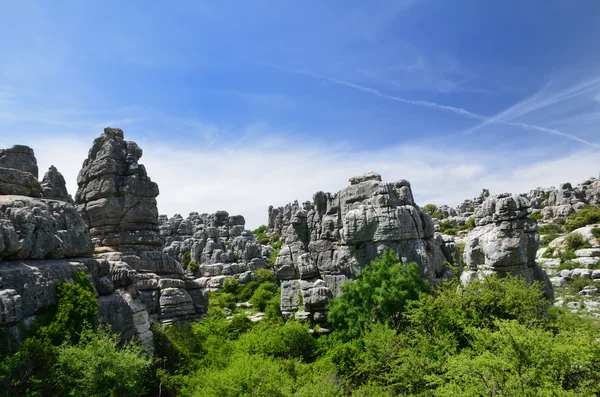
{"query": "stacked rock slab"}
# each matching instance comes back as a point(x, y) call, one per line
point(218, 243)
point(504, 241)
point(43, 242)
point(342, 232)
point(55, 187)
point(117, 200)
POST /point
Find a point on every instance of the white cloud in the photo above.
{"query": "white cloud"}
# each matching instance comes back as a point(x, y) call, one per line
point(246, 179)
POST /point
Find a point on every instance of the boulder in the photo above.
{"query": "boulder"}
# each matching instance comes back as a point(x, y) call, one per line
point(54, 186)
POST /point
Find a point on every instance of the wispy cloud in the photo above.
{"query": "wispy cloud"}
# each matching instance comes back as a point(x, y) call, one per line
point(486, 120)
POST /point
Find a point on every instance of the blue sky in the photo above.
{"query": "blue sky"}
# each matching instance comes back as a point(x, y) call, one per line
point(239, 105)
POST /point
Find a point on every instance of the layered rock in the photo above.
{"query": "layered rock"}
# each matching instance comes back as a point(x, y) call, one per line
point(117, 200)
point(55, 187)
point(340, 233)
point(19, 172)
point(218, 244)
point(505, 241)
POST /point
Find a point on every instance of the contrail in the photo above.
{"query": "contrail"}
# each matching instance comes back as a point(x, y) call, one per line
point(433, 105)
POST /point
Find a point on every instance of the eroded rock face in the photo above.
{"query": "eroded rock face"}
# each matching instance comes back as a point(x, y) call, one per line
point(505, 241)
point(116, 197)
point(218, 243)
point(37, 229)
point(340, 233)
point(19, 172)
point(54, 186)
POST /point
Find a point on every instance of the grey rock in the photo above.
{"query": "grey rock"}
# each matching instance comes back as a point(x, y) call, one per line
point(37, 229)
point(588, 252)
point(21, 158)
point(505, 241)
point(589, 290)
point(54, 186)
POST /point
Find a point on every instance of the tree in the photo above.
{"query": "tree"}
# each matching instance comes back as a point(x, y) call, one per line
point(379, 295)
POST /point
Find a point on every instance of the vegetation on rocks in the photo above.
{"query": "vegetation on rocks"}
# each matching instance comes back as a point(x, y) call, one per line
point(587, 216)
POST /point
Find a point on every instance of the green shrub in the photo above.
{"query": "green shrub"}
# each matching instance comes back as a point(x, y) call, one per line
point(260, 234)
point(575, 241)
point(248, 290)
point(231, 286)
point(551, 228)
point(589, 215)
point(568, 265)
point(287, 340)
point(379, 295)
point(264, 275)
point(272, 258)
point(186, 259)
point(437, 215)
point(549, 253)
point(577, 284)
point(222, 300)
point(263, 294)
point(429, 208)
point(536, 215)
point(567, 255)
point(470, 225)
point(548, 238)
point(277, 245)
point(193, 266)
point(596, 232)
point(96, 366)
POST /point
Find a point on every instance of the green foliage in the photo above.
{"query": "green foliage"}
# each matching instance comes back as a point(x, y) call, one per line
point(515, 360)
point(575, 241)
point(548, 238)
point(379, 295)
point(187, 259)
point(263, 294)
point(231, 285)
point(536, 215)
point(589, 215)
point(429, 208)
point(193, 266)
point(470, 224)
point(264, 275)
point(273, 257)
point(222, 300)
point(437, 215)
point(551, 228)
point(277, 244)
point(577, 284)
point(259, 232)
point(287, 340)
point(96, 366)
point(596, 232)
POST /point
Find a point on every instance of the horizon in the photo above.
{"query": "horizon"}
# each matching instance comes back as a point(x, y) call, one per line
point(239, 108)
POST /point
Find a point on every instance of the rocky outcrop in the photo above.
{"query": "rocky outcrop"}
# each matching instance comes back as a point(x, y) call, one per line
point(117, 200)
point(54, 186)
point(116, 197)
point(218, 244)
point(19, 172)
point(505, 241)
point(329, 241)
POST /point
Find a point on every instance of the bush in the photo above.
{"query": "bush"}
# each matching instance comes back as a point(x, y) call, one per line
point(548, 238)
point(222, 300)
point(287, 340)
point(193, 266)
point(470, 223)
point(575, 241)
point(263, 294)
point(437, 215)
point(231, 285)
point(596, 232)
point(248, 290)
point(589, 215)
point(259, 232)
point(429, 208)
point(273, 258)
point(551, 228)
point(536, 215)
point(264, 275)
point(186, 259)
point(379, 295)
point(96, 366)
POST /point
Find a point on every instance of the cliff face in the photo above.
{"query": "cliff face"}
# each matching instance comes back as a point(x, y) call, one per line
point(117, 200)
point(505, 241)
point(329, 241)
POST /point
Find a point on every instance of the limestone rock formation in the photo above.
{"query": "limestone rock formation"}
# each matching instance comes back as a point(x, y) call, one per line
point(55, 187)
point(329, 241)
point(116, 197)
point(117, 200)
point(505, 241)
point(19, 172)
point(218, 243)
